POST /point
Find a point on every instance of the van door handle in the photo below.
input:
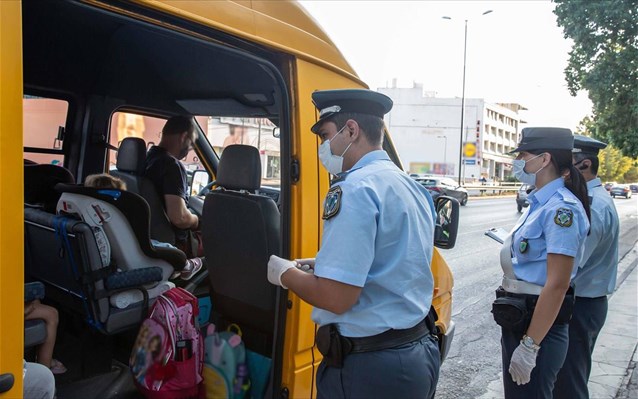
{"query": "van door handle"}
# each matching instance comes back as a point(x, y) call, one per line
point(6, 382)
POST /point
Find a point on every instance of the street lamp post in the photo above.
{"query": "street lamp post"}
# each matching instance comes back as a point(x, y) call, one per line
point(463, 98)
point(444, 153)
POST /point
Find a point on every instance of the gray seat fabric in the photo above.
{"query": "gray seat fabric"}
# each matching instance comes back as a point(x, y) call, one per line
point(240, 232)
point(35, 332)
point(131, 158)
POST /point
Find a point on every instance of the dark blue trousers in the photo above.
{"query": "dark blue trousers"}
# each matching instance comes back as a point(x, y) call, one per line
point(408, 371)
point(587, 321)
point(548, 362)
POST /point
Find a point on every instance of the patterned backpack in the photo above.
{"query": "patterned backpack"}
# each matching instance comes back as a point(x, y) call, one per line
point(167, 358)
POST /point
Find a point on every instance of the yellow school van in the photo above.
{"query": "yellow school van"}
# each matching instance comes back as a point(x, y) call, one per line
point(80, 81)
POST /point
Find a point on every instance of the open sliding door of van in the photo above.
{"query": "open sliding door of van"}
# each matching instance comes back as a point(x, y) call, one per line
point(11, 210)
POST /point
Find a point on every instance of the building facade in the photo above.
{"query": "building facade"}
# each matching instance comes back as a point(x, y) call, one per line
point(426, 132)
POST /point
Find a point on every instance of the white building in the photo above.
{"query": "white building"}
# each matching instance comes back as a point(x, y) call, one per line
point(426, 133)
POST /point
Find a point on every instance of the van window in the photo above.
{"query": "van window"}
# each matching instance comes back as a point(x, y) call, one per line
point(219, 130)
point(42, 119)
point(223, 131)
point(125, 124)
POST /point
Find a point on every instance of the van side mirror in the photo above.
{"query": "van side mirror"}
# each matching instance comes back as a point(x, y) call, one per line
point(276, 133)
point(200, 179)
point(447, 222)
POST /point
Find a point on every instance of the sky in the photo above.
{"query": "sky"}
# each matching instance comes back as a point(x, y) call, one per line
point(516, 53)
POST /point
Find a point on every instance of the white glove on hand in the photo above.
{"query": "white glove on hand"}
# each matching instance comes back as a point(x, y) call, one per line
point(306, 265)
point(522, 363)
point(276, 267)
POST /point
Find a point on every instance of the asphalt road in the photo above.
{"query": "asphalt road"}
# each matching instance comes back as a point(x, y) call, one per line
point(475, 357)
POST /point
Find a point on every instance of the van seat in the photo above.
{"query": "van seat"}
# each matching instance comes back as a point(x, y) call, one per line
point(240, 231)
point(130, 164)
point(39, 183)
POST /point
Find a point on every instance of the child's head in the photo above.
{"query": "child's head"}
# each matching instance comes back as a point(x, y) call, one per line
point(104, 180)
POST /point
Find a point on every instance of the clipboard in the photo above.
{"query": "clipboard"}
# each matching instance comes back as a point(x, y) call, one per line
point(498, 234)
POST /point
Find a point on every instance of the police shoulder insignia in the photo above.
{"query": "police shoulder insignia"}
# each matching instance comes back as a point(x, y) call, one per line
point(564, 217)
point(333, 202)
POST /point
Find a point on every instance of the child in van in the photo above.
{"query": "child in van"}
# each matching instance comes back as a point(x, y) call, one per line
point(104, 180)
point(36, 310)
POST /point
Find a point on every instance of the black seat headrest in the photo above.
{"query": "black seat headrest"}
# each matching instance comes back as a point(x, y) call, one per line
point(40, 181)
point(131, 155)
point(239, 168)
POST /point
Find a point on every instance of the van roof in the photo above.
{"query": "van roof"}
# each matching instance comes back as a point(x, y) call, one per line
point(282, 24)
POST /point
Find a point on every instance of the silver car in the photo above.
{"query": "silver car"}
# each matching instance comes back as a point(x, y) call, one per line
point(521, 197)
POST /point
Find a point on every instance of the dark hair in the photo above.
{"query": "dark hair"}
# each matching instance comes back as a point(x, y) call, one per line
point(372, 126)
point(581, 156)
point(574, 181)
point(178, 125)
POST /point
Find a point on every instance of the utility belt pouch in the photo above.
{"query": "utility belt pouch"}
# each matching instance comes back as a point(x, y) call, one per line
point(510, 312)
point(332, 347)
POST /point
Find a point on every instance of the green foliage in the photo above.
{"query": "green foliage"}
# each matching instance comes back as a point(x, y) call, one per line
point(604, 61)
point(613, 165)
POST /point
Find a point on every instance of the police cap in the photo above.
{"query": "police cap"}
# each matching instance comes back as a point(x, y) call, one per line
point(359, 101)
point(587, 145)
point(545, 138)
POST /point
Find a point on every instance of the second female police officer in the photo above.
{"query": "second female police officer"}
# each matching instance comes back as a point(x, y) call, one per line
point(538, 260)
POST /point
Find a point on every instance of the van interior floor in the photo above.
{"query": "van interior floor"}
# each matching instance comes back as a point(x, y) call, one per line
point(97, 364)
point(117, 383)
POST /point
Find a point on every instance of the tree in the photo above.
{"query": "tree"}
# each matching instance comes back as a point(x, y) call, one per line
point(613, 165)
point(604, 61)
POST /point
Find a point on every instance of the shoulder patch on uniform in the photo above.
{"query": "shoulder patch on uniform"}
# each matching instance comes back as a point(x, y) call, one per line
point(564, 217)
point(332, 204)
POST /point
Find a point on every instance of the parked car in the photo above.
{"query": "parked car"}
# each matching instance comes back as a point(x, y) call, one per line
point(634, 188)
point(609, 185)
point(444, 186)
point(521, 197)
point(621, 190)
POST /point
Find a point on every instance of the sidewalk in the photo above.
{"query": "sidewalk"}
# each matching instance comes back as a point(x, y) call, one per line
point(613, 372)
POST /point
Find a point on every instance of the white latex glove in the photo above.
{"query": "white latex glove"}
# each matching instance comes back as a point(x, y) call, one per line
point(278, 266)
point(306, 265)
point(522, 363)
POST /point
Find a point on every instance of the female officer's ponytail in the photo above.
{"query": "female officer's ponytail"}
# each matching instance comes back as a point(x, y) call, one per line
point(574, 181)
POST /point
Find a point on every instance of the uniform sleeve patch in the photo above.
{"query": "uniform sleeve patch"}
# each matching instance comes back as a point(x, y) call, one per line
point(332, 203)
point(564, 217)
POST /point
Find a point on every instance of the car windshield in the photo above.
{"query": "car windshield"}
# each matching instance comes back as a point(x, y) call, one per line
point(428, 182)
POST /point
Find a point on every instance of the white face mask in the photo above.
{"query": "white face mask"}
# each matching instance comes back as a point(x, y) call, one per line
point(332, 163)
point(518, 166)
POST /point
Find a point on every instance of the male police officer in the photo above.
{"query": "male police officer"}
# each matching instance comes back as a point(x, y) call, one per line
point(372, 286)
point(596, 276)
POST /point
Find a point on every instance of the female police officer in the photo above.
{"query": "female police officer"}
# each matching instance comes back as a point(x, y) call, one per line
point(543, 245)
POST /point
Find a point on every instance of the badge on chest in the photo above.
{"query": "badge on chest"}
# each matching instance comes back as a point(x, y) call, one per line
point(333, 202)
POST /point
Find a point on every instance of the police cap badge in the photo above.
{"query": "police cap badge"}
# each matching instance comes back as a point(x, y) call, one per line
point(358, 101)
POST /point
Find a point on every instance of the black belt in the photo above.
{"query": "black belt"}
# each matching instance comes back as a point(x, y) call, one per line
point(388, 339)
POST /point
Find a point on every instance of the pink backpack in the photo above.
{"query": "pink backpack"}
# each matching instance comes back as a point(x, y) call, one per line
point(167, 358)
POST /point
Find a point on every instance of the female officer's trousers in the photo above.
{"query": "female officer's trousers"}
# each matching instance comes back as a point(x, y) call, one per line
point(548, 363)
point(408, 371)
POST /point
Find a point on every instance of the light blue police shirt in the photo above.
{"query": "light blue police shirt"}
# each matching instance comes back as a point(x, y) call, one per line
point(596, 275)
point(555, 223)
point(381, 240)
